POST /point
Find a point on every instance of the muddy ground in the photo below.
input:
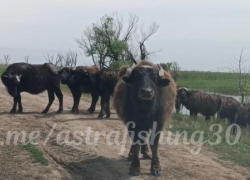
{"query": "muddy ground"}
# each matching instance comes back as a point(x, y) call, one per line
point(84, 161)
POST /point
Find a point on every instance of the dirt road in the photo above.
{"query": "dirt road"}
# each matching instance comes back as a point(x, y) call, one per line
point(84, 161)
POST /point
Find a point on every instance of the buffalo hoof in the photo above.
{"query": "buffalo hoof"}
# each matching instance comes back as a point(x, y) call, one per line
point(76, 112)
point(145, 155)
point(130, 157)
point(13, 112)
point(100, 117)
point(134, 172)
point(156, 173)
point(107, 116)
point(59, 111)
point(20, 111)
point(44, 112)
point(90, 110)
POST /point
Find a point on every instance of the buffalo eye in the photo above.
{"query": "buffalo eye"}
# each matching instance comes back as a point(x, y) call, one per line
point(127, 80)
point(163, 82)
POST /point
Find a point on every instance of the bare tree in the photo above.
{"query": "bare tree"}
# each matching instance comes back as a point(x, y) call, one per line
point(59, 60)
point(6, 59)
point(145, 35)
point(70, 59)
point(240, 72)
point(55, 59)
point(26, 59)
point(49, 58)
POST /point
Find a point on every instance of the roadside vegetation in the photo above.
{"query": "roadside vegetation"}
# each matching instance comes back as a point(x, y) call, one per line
point(36, 154)
point(239, 153)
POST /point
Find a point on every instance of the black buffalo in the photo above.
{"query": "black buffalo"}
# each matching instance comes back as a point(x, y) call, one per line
point(34, 79)
point(236, 115)
point(145, 96)
point(76, 88)
point(102, 82)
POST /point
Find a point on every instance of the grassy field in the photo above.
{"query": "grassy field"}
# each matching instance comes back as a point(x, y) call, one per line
point(239, 153)
point(209, 82)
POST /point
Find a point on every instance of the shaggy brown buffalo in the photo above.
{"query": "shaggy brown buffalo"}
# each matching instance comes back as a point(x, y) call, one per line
point(198, 102)
point(34, 79)
point(145, 97)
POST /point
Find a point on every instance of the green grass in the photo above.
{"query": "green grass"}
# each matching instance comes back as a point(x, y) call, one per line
point(36, 154)
point(239, 153)
point(2, 68)
point(217, 82)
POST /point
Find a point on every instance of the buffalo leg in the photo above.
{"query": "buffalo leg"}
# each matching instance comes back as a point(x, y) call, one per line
point(155, 162)
point(59, 95)
point(51, 100)
point(107, 100)
point(20, 107)
point(100, 116)
point(77, 101)
point(74, 101)
point(13, 110)
point(95, 98)
point(130, 154)
point(134, 169)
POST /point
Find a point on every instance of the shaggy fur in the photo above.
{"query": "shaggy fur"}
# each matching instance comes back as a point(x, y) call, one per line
point(145, 113)
point(198, 102)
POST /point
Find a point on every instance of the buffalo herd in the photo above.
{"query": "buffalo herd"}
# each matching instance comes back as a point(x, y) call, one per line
point(143, 94)
point(209, 105)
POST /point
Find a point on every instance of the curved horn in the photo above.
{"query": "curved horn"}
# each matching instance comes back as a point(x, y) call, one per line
point(161, 71)
point(129, 70)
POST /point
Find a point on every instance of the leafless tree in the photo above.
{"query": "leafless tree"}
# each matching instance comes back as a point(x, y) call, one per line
point(145, 35)
point(6, 59)
point(240, 72)
point(26, 59)
point(49, 58)
point(57, 60)
point(70, 59)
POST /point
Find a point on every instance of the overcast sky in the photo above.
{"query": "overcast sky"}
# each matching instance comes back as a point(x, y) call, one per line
point(198, 34)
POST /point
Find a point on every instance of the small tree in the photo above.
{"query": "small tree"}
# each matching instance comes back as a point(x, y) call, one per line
point(26, 59)
point(6, 59)
point(240, 72)
point(108, 41)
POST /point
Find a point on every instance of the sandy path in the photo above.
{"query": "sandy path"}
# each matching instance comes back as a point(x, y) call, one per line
point(101, 161)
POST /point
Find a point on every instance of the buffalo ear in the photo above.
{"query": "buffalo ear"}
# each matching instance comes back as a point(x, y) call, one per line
point(126, 80)
point(163, 82)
